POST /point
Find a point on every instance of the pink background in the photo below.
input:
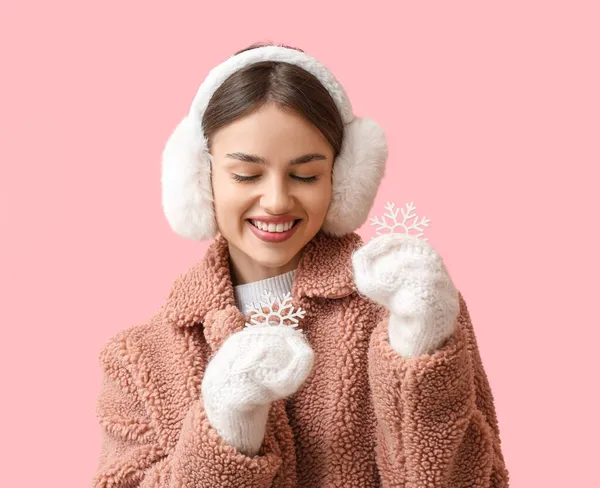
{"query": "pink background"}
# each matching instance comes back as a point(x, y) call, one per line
point(493, 120)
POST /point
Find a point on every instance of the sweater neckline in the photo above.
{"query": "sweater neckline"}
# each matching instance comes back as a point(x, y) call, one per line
point(249, 294)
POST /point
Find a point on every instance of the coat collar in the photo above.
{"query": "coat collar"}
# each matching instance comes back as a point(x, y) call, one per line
point(324, 270)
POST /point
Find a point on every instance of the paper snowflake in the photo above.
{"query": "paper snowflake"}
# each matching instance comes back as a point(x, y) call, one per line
point(393, 216)
point(275, 313)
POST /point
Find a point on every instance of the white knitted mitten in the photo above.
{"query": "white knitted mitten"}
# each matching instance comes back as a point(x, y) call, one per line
point(253, 368)
point(406, 275)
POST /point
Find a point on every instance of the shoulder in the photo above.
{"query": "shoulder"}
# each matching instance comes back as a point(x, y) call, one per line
point(140, 342)
point(155, 356)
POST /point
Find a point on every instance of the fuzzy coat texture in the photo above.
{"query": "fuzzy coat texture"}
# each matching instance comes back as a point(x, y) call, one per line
point(365, 417)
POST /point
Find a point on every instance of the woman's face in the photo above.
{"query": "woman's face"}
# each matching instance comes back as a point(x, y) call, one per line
point(262, 146)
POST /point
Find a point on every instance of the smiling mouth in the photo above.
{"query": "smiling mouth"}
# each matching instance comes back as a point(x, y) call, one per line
point(296, 222)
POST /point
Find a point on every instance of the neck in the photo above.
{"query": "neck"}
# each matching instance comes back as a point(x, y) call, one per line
point(244, 270)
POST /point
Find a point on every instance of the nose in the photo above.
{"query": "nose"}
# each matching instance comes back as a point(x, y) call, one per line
point(277, 198)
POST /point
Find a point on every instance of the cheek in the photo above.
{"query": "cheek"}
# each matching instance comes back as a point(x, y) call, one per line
point(229, 205)
point(226, 197)
point(317, 199)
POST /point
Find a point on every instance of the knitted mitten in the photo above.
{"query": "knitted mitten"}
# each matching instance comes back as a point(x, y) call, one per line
point(253, 368)
point(407, 276)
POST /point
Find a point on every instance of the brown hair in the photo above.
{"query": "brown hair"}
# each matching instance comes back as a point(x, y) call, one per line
point(285, 84)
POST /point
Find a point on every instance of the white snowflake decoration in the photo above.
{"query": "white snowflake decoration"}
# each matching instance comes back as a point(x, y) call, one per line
point(274, 315)
point(393, 216)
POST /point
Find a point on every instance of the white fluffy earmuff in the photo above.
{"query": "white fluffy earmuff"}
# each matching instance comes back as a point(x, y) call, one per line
point(187, 196)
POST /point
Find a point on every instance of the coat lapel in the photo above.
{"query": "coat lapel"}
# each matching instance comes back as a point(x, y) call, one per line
point(204, 293)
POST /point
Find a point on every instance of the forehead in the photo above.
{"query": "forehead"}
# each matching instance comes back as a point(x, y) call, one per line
point(270, 129)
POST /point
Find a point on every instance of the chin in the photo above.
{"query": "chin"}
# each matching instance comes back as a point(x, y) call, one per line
point(270, 259)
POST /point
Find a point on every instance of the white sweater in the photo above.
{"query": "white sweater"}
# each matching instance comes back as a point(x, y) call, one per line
point(248, 294)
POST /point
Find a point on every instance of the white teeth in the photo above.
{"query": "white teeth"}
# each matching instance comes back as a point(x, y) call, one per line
point(272, 227)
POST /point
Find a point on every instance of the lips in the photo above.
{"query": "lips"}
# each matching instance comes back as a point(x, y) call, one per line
point(275, 223)
point(274, 236)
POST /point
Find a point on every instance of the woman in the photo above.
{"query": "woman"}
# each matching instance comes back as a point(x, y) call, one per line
point(379, 384)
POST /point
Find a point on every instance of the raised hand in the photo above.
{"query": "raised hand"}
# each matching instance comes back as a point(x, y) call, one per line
point(407, 276)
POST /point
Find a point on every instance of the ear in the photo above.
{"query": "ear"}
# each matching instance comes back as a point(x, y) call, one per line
point(187, 196)
point(357, 174)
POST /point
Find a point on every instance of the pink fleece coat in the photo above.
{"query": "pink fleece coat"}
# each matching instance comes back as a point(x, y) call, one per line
point(365, 417)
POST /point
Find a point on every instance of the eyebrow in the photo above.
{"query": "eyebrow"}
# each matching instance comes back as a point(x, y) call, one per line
point(252, 158)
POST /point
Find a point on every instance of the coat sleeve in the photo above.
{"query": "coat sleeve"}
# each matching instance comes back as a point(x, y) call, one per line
point(435, 415)
point(132, 454)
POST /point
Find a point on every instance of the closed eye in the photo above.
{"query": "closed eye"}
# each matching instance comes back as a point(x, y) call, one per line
point(243, 178)
point(309, 179)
